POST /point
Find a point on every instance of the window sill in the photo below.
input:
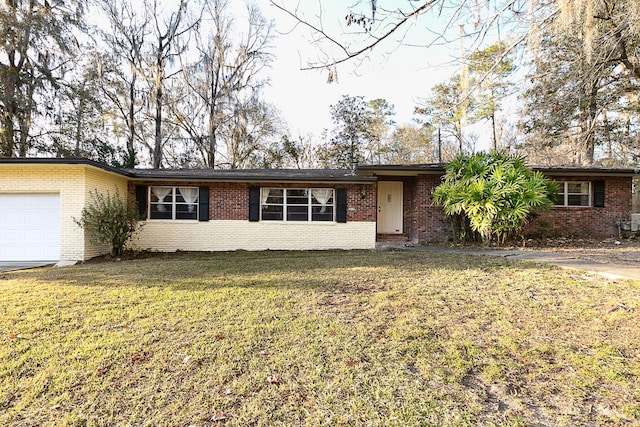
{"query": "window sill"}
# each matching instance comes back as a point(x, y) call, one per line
point(179, 221)
point(300, 222)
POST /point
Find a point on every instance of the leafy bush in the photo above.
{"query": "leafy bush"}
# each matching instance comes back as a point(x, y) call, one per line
point(495, 194)
point(109, 219)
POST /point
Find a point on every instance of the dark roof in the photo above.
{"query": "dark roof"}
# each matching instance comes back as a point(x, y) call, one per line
point(439, 168)
point(255, 175)
point(225, 175)
point(425, 168)
point(585, 171)
point(364, 174)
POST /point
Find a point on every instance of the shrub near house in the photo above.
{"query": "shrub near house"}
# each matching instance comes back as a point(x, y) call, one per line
point(494, 194)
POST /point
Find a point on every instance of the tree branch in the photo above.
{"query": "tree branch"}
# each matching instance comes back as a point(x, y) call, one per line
point(348, 55)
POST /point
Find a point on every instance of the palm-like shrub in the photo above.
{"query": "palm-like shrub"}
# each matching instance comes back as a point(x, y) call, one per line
point(495, 194)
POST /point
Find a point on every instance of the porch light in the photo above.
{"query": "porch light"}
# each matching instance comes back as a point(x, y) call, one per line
point(363, 192)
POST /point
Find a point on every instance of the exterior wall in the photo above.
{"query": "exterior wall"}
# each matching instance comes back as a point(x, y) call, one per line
point(229, 227)
point(425, 223)
point(102, 182)
point(72, 183)
point(229, 235)
point(587, 222)
point(422, 222)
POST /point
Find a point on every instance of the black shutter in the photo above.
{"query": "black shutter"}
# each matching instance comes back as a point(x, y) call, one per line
point(203, 203)
point(341, 205)
point(254, 204)
point(141, 201)
point(598, 194)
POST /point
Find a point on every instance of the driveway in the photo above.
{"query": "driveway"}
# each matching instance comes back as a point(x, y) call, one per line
point(22, 265)
point(609, 269)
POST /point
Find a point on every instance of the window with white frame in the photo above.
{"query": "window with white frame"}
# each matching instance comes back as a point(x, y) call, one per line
point(297, 204)
point(173, 203)
point(574, 193)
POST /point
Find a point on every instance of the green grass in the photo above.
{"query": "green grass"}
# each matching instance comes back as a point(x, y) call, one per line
point(394, 338)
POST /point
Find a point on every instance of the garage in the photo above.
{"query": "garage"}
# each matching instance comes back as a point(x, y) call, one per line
point(29, 227)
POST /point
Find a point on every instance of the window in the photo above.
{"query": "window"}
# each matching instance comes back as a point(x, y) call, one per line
point(173, 203)
point(297, 204)
point(574, 193)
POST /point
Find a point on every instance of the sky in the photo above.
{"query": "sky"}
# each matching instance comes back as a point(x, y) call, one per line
point(398, 73)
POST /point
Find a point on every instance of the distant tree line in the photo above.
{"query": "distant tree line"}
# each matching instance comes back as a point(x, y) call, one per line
point(180, 84)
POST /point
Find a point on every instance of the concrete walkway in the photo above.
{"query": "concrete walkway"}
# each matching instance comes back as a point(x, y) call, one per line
point(22, 265)
point(609, 270)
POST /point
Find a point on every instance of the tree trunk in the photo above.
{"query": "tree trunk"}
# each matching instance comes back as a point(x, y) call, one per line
point(130, 160)
point(494, 134)
point(157, 149)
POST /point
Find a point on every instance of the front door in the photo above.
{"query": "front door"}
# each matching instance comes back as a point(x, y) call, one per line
point(390, 207)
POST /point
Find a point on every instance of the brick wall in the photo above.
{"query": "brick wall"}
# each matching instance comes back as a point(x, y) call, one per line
point(426, 223)
point(422, 221)
point(587, 222)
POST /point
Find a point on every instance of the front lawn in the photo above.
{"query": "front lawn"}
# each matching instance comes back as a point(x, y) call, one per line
point(394, 338)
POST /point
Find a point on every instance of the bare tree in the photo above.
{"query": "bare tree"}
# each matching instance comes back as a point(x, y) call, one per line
point(119, 69)
point(164, 49)
point(230, 66)
point(252, 125)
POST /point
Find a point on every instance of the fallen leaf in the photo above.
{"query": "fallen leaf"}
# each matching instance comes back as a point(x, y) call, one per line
point(136, 357)
point(219, 416)
point(13, 336)
point(273, 379)
point(351, 362)
point(219, 337)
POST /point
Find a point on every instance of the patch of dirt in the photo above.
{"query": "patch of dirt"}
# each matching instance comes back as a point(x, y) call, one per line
point(127, 256)
point(611, 250)
point(615, 251)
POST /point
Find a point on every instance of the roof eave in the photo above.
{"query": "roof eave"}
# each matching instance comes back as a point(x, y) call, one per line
point(62, 161)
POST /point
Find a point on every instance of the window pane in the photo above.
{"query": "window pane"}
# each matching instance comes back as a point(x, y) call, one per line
point(316, 214)
point(160, 211)
point(297, 213)
point(186, 211)
point(578, 187)
point(297, 197)
point(164, 193)
point(276, 195)
point(559, 200)
point(322, 195)
point(578, 200)
point(272, 213)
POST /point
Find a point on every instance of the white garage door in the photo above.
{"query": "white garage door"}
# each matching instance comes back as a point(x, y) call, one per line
point(29, 227)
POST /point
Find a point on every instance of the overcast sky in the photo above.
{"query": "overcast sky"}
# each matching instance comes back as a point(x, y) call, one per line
point(397, 73)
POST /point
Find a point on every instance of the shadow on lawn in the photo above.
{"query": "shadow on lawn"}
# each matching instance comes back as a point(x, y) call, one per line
point(330, 270)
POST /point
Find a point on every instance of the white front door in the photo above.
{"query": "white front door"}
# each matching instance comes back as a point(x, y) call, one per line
point(390, 207)
point(29, 227)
